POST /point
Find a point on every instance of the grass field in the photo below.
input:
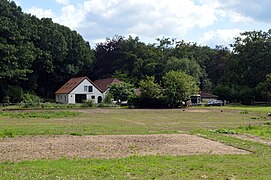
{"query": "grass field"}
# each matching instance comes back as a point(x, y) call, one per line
point(251, 120)
point(122, 121)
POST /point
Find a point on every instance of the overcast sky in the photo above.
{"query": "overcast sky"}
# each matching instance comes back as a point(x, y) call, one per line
point(207, 22)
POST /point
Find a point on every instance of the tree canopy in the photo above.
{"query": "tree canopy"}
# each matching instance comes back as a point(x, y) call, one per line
point(37, 56)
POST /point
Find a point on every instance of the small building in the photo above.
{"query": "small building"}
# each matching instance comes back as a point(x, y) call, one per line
point(76, 90)
point(104, 84)
point(207, 96)
point(196, 100)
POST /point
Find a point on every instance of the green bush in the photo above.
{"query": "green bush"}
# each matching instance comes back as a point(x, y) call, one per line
point(244, 112)
point(223, 131)
point(6, 99)
point(31, 100)
point(108, 99)
point(13, 94)
point(88, 103)
point(104, 105)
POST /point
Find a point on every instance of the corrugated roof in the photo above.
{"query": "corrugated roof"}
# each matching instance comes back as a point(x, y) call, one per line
point(72, 84)
point(104, 84)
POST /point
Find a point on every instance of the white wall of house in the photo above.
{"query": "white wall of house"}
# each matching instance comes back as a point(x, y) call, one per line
point(106, 92)
point(80, 89)
point(62, 98)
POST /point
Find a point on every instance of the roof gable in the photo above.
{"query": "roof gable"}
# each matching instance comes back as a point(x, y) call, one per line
point(104, 84)
point(72, 84)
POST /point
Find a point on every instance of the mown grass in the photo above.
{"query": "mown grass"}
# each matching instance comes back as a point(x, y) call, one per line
point(119, 121)
point(123, 121)
point(263, 130)
point(244, 108)
point(39, 114)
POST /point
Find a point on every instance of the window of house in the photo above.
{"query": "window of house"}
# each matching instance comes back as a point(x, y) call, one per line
point(90, 89)
point(85, 88)
point(92, 97)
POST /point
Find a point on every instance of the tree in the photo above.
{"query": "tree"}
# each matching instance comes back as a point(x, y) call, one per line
point(188, 66)
point(122, 91)
point(250, 61)
point(125, 58)
point(178, 87)
point(151, 94)
point(264, 88)
point(150, 89)
point(38, 55)
point(225, 92)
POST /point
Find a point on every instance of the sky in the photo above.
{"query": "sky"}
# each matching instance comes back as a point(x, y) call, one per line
point(206, 22)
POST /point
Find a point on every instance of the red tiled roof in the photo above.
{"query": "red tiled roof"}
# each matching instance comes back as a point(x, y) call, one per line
point(207, 95)
point(72, 84)
point(104, 84)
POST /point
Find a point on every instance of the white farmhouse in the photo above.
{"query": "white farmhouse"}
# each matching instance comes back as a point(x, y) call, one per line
point(76, 90)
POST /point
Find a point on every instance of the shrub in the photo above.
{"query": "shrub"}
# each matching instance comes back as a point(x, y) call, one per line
point(14, 94)
point(31, 100)
point(108, 99)
point(244, 112)
point(104, 105)
point(6, 99)
point(223, 131)
point(87, 103)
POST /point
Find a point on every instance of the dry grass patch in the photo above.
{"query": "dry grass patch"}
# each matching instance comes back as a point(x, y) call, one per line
point(109, 146)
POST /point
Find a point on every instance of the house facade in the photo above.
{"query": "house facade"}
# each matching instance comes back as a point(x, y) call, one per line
point(76, 90)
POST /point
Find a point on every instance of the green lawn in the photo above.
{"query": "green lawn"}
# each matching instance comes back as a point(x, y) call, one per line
point(263, 109)
point(121, 121)
point(124, 121)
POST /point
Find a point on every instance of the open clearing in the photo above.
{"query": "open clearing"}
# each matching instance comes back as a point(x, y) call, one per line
point(110, 146)
point(135, 143)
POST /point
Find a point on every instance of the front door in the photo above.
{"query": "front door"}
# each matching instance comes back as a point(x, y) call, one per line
point(79, 98)
point(100, 99)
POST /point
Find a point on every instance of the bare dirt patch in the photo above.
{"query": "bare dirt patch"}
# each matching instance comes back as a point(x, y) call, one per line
point(109, 146)
point(251, 138)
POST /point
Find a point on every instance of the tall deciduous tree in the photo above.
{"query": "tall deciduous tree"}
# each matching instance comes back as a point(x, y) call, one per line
point(251, 60)
point(178, 86)
point(264, 88)
point(188, 66)
point(122, 91)
point(38, 55)
point(151, 94)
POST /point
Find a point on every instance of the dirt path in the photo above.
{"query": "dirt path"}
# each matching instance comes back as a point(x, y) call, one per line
point(251, 138)
point(111, 146)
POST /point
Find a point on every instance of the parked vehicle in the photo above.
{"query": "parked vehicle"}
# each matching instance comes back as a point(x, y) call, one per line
point(215, 103)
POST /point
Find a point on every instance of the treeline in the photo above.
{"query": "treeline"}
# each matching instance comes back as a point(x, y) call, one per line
point(38, 56)
point(240, 75)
